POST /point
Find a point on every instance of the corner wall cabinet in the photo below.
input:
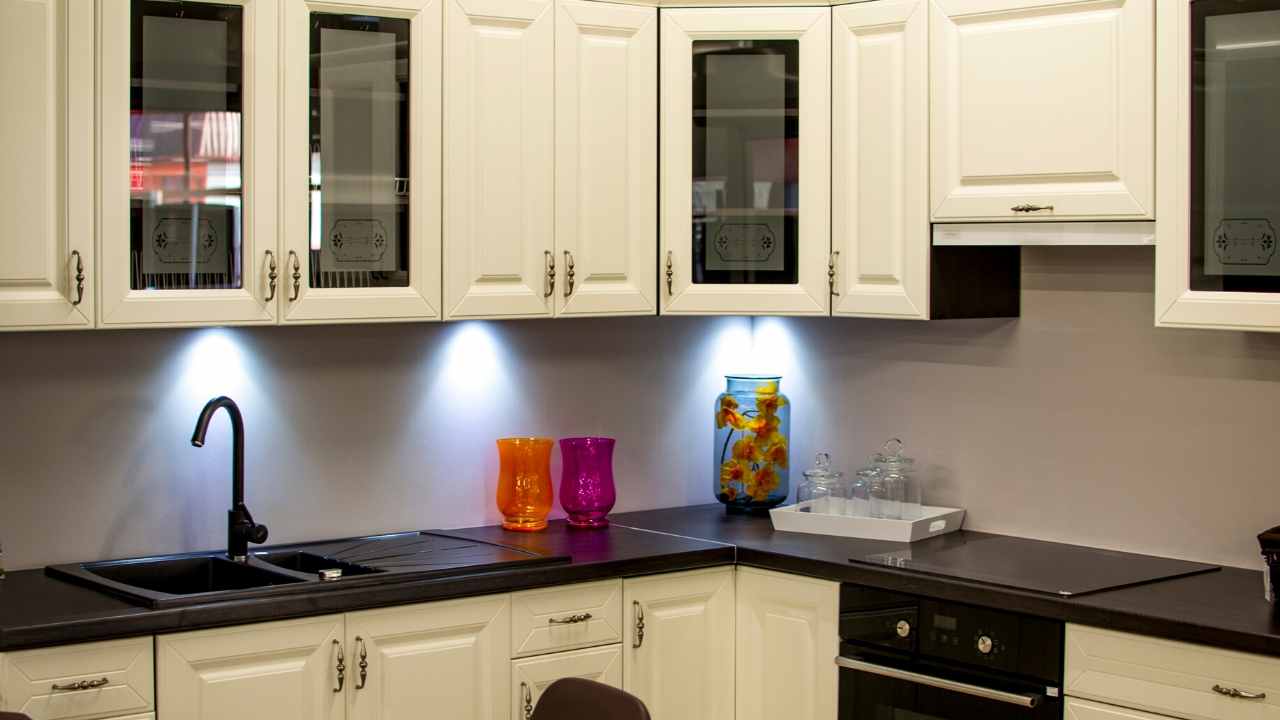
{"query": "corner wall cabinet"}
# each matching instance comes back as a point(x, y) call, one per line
point(745, 160)
point(1217, 264)
point(360, 196)
point(47, 258)
point(1042, 110)
point(188, 96)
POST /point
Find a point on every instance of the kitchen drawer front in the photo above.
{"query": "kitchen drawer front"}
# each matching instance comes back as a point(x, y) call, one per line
point(128, 666)
point(555, 619)
point(531, 677)
point(1085, 710)
point(1169, 678)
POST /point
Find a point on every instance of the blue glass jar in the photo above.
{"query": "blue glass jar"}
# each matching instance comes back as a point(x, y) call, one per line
point(752, 443)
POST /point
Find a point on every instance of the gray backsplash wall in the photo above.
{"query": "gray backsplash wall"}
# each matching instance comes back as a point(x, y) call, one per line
point(1078, 422)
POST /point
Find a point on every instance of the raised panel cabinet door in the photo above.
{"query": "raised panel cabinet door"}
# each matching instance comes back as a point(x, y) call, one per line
point(43, 683)
point(361, 173)
point(187, 181)
point(499, 159)
point(1042, 110)
point(531, 677)
point(46, 165)
point(679, 644)
point(606, 158)
point(285, 670)
point(1085, 710)
point(744, 148)
point(447, 659)
point(880, 160)
point(787, 643)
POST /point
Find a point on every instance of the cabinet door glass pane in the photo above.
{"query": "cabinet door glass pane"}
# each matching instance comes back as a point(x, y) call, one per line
point(359, 151)
point(746, 106)
point(186, 79)
point(1235, 166)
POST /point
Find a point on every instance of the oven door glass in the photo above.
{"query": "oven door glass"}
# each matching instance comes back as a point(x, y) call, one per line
point(1235, 158)
point(866, 695)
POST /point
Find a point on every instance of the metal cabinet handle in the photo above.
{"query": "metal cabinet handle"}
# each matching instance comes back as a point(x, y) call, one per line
point(272, 275)
point(79, 278)
point(341, 668)
point(297, 275)
point(568, 273)
point(1236, 693)
point(670, 271)
point(364, 663)
point(1029, 208)
point(570, 620)
point(551, 273)
point(82, 685)
point(639, 615)
point(1027, 700)
point(528, 700)
point(831, 272)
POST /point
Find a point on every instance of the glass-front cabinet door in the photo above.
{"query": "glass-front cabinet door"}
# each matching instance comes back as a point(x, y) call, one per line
point(187, 173)
point(361, 173)
point(1219, 197)
point(745, 156)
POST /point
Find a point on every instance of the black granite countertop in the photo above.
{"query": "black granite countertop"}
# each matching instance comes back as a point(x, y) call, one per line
point(1222, 609)
point(37, 610)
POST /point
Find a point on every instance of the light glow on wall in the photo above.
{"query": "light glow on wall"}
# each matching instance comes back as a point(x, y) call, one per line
point(214, 364)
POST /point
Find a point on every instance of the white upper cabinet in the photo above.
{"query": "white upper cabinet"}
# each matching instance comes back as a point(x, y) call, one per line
point(361, 153)
point(880, 159)
point(745, 161)
point(606, 158)
point(499, 153)
point(46, 164)
point(1042, 109)
point(187, 167)
point(1218, 85)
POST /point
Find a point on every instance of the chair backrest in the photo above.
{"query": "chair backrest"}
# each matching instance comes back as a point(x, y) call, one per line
point(578, 699)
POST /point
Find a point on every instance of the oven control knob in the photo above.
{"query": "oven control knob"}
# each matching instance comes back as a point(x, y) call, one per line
point(986, 644)
point(904, 628)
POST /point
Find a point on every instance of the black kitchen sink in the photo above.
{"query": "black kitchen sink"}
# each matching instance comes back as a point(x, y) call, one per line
point(312, 564)
point(188, 575)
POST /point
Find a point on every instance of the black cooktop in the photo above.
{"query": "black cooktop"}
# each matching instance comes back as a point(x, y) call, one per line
point(1036, 565)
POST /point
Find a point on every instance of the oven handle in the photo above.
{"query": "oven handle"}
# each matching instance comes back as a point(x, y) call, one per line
point(1027, 700)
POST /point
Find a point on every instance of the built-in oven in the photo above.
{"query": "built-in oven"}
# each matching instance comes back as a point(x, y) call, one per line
point(910, 658)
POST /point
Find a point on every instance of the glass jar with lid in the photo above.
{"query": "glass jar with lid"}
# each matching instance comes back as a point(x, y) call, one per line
point(902, 489)
point(822, 490)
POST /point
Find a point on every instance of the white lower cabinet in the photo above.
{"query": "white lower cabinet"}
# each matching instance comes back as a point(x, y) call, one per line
point(679, 644)
point(111, 679)
point(1085, 710)
point(787, 642)
point(531, 676)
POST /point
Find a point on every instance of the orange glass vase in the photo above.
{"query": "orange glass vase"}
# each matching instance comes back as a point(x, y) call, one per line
point(524, 482)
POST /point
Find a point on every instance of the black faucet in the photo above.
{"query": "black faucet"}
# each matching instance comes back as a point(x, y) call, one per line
point(241, 529)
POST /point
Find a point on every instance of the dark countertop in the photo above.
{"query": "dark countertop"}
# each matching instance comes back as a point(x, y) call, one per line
point(37, 610)
point(1222, 609)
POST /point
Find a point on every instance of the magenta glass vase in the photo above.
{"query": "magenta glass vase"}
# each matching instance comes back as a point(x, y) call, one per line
point(586, 480)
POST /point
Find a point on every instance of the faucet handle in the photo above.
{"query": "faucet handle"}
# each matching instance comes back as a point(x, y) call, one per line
point(257, 534)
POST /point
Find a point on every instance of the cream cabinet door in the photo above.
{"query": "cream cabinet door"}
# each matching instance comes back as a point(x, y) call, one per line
point(46, 164)
point(275, 671)
point(679, 644)
point(880, 159)
point(499, 132)
point(606, 160)
point(532, 676)
point(810, 293)
point(787, 643)
point(41, 683)
point(180, 183)
point(1042, 109)
point(342, 162)
point(1085, 710)
point(447, 659)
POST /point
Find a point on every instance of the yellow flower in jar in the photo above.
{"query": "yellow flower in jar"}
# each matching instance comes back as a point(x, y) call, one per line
point(767, 405)
point(746, 450)
point(765, 428)
point(763, 482)
point(732, 471)
point(777, 452)
point(728, 414)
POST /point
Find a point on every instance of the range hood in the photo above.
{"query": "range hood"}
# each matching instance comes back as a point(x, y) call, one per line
point(1044, 233)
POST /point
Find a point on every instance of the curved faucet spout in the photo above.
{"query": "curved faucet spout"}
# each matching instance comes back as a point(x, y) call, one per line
point(241, 529)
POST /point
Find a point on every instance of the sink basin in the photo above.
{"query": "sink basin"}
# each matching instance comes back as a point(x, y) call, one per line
point(177, 580)
point(312, 564)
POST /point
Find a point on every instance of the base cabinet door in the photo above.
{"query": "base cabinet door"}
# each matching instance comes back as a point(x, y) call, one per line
point(46, 169)
point(787, 642)
point(275, 671)
point(531, 677)
point(446, 660)
point(1085, 710)
point(80, 682)
point(679, 644)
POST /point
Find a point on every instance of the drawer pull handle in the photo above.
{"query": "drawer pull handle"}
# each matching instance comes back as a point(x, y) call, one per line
point(82, 685)
point(1236, 693)
point(571, 620)
point(1029, 208)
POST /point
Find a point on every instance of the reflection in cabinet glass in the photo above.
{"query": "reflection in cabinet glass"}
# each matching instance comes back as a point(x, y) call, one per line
point(359, 159)
point(746, 109)
point(1235, 160)
point(184, 145)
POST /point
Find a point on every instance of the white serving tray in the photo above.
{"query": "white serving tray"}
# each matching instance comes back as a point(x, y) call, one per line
point(933, 521)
